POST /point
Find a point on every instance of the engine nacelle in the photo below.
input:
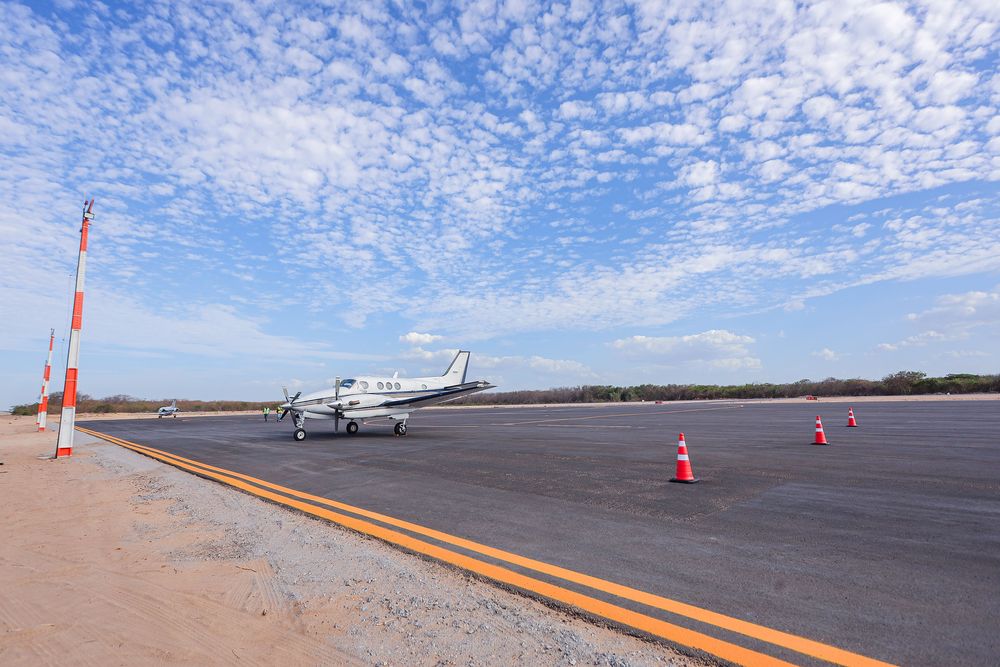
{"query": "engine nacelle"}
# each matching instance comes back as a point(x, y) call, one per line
point(358, 402)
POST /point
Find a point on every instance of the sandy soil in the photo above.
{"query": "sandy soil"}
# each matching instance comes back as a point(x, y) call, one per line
point(112, 558)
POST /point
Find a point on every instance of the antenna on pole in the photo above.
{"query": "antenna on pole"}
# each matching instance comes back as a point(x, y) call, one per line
point(43, 402)
point(67, 421)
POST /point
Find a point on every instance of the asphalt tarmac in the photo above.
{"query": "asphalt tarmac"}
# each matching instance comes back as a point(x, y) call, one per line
point(885, 542)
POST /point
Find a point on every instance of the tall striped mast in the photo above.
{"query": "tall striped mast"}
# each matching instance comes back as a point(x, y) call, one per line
point(43, 402)
point(64, 444)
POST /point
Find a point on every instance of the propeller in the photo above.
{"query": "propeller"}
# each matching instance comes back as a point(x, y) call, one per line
point(289, 401)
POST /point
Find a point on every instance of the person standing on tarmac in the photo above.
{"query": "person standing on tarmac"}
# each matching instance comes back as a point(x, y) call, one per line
point(266, 411)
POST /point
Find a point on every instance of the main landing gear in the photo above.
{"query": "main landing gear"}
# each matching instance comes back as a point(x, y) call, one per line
point(299, 434)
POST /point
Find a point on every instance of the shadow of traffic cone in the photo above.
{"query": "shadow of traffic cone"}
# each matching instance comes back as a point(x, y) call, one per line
point(820, 435)
point(684, 474)
point(850, 417)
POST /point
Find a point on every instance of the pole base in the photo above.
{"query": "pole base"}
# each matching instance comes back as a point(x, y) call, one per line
point(63, 452)
point(821, 444)
point(685, 481)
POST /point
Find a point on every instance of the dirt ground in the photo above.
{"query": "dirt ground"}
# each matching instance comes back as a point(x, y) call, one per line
point(112, 558)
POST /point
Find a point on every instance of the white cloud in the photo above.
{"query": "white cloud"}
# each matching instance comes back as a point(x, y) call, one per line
point(716, 348)
point(701, 173)
point(920, 340)
point(975, 308)
point(826, 354)
point(575, 109)
point(931, 119)
point(417, 339)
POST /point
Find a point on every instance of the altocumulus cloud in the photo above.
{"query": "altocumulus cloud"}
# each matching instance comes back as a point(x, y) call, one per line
point(716, 348)
point(486, 164)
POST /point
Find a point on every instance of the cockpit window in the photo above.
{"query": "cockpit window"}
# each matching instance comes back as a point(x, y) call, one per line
point(347, 384)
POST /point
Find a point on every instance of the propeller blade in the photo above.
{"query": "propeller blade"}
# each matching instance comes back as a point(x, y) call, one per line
point(295, 397)
point(336, 388)
point(284, 389)
point(336, 423)
point(283, 413)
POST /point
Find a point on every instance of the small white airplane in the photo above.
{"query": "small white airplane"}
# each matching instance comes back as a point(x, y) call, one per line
point(371, 398)
point(168, 410)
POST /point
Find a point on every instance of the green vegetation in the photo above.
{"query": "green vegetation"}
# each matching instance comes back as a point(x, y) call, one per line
point(121, 403)
point(901, 383)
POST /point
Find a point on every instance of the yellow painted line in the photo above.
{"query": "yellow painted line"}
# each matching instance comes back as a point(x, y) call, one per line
point(763, 633)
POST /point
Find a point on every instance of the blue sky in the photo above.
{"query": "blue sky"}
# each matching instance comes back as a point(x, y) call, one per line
point(578, 192)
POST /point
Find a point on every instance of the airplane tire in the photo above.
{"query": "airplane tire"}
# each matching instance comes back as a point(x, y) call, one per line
point(299, 434)
point(400, 429)
point(352, 428)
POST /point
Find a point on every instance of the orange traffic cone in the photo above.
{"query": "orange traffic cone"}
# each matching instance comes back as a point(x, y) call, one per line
point(684, 474)
point(820, 435)
point(850, 417)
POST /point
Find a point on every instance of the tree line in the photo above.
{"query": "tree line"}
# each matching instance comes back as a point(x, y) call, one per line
point(901, 383)
point(124, 403)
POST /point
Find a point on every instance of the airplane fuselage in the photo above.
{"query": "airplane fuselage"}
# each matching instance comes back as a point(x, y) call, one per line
point(377, 397)
point(367, 396)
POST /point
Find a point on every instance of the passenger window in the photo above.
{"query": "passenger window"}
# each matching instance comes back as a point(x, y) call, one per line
point(423, 386)
point(397, 385)
point(364, 385)
point(379, 385)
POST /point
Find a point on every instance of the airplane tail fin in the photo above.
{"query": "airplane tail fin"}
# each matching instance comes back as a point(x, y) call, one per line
point(173, 403)
point(459, 365)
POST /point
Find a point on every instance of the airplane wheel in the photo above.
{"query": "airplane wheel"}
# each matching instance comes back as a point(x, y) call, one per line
point(299, 434)
point(175, 416)
point(400, 429)
point(159, 416)
point(352, 428)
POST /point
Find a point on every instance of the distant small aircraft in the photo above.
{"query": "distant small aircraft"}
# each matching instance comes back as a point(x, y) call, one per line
point(168, 410)
point(371, 398)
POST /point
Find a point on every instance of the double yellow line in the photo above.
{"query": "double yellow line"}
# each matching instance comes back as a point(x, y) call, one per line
point(648, 624)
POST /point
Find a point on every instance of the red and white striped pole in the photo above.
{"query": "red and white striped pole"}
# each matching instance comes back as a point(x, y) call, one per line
point(43, 402)
point(64, 444)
